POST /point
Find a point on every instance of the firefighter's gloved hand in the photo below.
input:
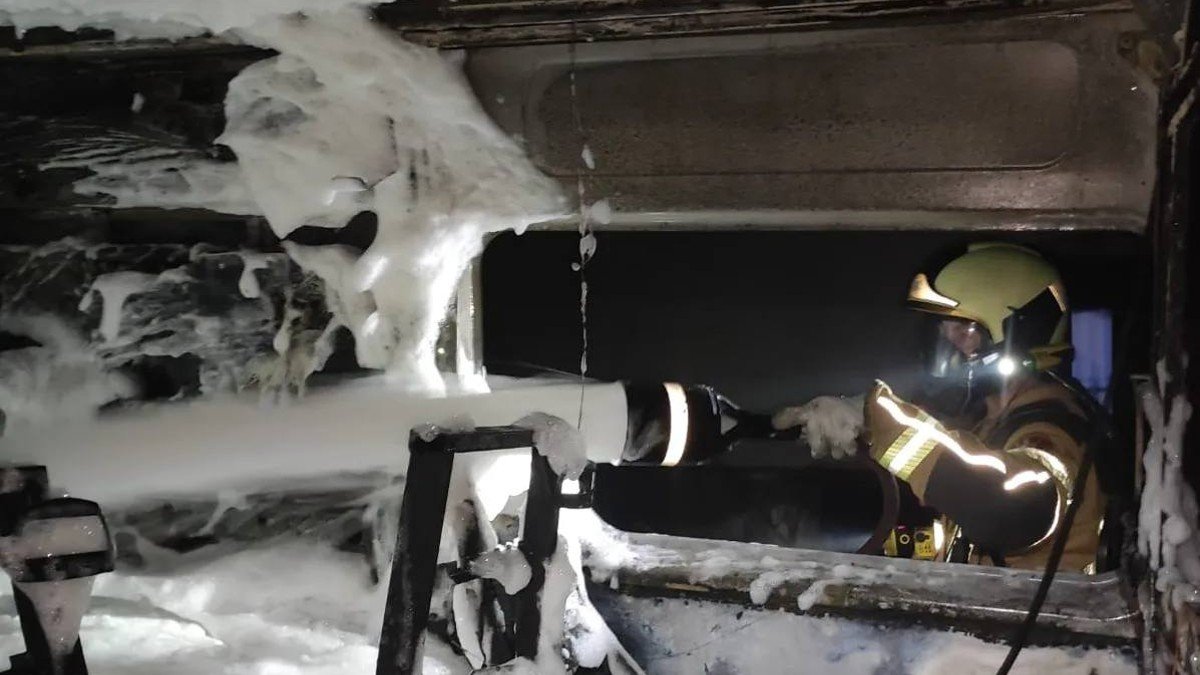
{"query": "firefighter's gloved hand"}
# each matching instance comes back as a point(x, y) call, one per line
point(832, 424)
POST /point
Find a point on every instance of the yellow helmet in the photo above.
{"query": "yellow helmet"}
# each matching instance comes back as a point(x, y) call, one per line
point(1009, 290)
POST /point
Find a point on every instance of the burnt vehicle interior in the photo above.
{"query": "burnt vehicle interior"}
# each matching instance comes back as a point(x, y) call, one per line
point(763, 248)
point(762, 181)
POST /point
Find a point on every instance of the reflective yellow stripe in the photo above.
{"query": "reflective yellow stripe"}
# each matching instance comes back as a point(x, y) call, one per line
point(895, 447)
point(907, 452)
point(913, 460)
point(926, 426)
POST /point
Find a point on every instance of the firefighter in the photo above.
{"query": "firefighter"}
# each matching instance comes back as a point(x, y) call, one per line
point(997, 449)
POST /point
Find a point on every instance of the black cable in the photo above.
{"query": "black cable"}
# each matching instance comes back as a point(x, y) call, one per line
point(1056, 553)
point(1060, 541)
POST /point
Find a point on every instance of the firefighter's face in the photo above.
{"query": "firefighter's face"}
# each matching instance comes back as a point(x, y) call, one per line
point(966, 336)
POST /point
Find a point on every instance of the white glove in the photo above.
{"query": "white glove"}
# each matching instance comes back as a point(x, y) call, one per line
point(831, 424)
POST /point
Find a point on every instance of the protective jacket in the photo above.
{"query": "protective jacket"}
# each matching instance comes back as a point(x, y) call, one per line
point(1004, 484)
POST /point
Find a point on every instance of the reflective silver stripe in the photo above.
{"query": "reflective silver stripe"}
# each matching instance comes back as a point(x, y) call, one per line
point(1059, 507)
point(1053, 464)
point(677, 440)
point(1062, 479)
point(1025, 478)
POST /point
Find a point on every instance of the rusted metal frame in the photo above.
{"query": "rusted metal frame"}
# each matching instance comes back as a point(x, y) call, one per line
point(415, 571)
point(1173, 216)
point(1162, 19)
point(1171, 634)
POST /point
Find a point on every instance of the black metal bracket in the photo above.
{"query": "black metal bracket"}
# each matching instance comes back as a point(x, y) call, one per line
point(415, 569)
point(23, 492)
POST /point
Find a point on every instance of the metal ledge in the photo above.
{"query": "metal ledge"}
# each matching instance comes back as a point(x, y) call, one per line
point(985, 601)
point(102, 47)
point(479, 23)
point(1094, 220)
point(490, 23)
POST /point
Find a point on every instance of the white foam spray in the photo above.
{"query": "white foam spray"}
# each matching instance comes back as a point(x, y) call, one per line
point(351, 118)
point(347, 118)
point(58, 381)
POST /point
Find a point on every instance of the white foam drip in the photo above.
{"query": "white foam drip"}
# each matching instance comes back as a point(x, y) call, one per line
point(601, 212)
point(114, 288)
point(1167, 518)
point(351, 308)
point(506, 565)
point(150, 178)
point(812, 594)
point(247, 282)
point(559, 441)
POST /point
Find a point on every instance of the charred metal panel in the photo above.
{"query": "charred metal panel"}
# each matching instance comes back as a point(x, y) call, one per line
point(869, 109)
point(191, 310)
point(1029, 123)
point(477, 23)
point(1172, 635)
point(686, 636)
point(61, 118)
point(984, 601)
